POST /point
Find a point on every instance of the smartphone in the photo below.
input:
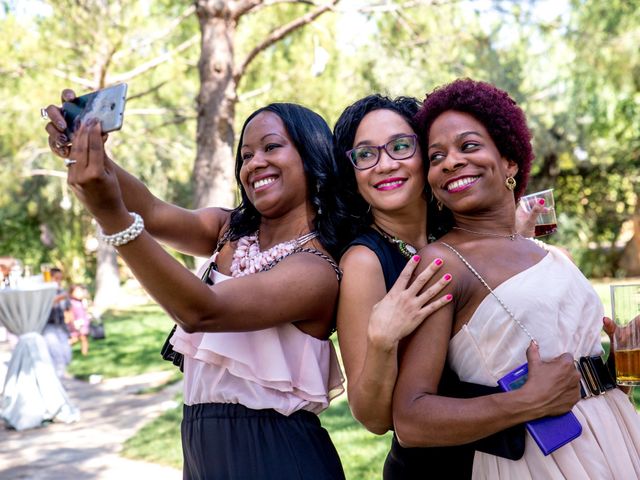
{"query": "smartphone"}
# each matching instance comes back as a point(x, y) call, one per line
point(107, 105)
point(550, 433)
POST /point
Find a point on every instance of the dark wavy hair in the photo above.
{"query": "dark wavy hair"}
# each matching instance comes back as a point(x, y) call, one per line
point(495, 109)
point(311, 137)
point(344, 134)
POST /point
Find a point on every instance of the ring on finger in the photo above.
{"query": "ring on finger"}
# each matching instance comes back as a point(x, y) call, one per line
point(68, 162)
point(44, 114)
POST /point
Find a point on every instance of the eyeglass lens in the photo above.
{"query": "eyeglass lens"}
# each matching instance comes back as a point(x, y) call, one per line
point(367, 156)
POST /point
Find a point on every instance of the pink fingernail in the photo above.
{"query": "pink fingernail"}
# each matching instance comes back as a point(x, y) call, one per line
point(541, 201)
point(438, 261)
point(416, 258)
point(447, 277)
point(448, 296)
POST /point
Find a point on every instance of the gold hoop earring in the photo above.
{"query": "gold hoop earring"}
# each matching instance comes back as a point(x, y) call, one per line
point(510, 183)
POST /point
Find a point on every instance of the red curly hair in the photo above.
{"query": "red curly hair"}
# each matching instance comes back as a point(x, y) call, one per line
point(495, 109)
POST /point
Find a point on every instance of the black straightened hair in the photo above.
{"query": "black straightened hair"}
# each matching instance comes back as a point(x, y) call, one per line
point(312, 139)
point(344, 134)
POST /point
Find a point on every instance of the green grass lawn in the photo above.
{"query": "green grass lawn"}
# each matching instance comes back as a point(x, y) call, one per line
point(132, 346)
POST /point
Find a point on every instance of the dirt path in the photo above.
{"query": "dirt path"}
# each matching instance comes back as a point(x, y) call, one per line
point(111, 412)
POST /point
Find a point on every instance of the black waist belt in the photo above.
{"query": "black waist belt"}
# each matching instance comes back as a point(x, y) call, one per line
point(596, 378)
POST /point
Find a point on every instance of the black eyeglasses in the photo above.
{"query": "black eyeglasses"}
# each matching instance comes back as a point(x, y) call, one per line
point(368, 156)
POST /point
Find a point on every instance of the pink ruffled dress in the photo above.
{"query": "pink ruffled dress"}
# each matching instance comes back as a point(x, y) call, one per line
point(280, 367)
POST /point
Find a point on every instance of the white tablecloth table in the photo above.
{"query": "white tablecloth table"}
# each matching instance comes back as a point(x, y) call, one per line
point(32, 391)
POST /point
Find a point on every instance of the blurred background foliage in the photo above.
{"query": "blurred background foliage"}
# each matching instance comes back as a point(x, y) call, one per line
point(573, 66)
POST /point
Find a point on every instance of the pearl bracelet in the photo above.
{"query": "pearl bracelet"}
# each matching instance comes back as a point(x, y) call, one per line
point(132, 232)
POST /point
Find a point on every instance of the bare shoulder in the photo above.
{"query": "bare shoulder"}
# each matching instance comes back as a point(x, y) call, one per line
point(359, 259)
point(429, 253)
point(315, 266)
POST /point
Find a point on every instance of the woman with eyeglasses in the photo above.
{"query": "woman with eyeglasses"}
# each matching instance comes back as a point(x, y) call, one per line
point(381, 162)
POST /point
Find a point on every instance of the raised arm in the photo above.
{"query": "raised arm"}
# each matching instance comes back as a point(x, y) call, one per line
point(422, 418)
point(370, 325)
point(166, 222)
point(169, 223)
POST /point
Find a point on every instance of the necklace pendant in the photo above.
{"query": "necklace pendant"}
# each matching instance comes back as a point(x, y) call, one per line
point(408, 250)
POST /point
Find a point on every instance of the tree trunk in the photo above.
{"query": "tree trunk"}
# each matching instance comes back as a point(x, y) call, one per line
point(213, 172)
point(107, 278)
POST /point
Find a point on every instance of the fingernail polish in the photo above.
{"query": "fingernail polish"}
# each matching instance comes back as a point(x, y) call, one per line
point(447, 277)
point(448, 296)
point(416, 258)
point(438, 261)
point(61, 125)
point(541, 201)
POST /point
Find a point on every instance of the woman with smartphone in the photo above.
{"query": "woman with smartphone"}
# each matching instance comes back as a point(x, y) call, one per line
point(381, 163)
point(511, 295)
point(257, 361)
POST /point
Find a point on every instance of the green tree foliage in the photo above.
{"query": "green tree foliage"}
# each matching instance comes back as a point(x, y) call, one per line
point(307, 67)
point(604, 125)
point(575, 75)
point(88, 45)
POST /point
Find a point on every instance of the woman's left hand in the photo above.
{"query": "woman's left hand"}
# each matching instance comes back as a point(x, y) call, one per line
point(609, 328)
point(91, 176)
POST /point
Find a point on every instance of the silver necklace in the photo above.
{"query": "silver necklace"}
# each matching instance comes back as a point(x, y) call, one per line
point(406, 249)
point(510, 236)
point(479, 277)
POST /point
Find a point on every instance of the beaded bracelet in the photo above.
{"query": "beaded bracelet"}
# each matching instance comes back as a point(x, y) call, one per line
point(132, 232)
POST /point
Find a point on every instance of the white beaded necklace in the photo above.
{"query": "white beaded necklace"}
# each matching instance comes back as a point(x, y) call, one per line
point(249, 259)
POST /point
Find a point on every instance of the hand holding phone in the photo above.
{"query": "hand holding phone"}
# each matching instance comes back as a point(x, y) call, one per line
point(550, 433)
point(107, 105)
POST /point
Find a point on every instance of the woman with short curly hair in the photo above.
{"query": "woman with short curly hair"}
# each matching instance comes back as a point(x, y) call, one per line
point(515, 300)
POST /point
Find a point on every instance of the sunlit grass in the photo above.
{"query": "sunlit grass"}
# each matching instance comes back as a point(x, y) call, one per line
point(159, 440)
point(131, 347)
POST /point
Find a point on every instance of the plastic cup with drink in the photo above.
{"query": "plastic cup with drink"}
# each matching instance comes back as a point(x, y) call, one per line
point(546, 223)
point(625, 303)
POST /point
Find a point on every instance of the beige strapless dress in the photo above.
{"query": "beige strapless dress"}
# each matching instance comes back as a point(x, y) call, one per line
point(559, 307)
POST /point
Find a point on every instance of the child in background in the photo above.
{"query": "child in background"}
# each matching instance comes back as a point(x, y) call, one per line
point(80, 319)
